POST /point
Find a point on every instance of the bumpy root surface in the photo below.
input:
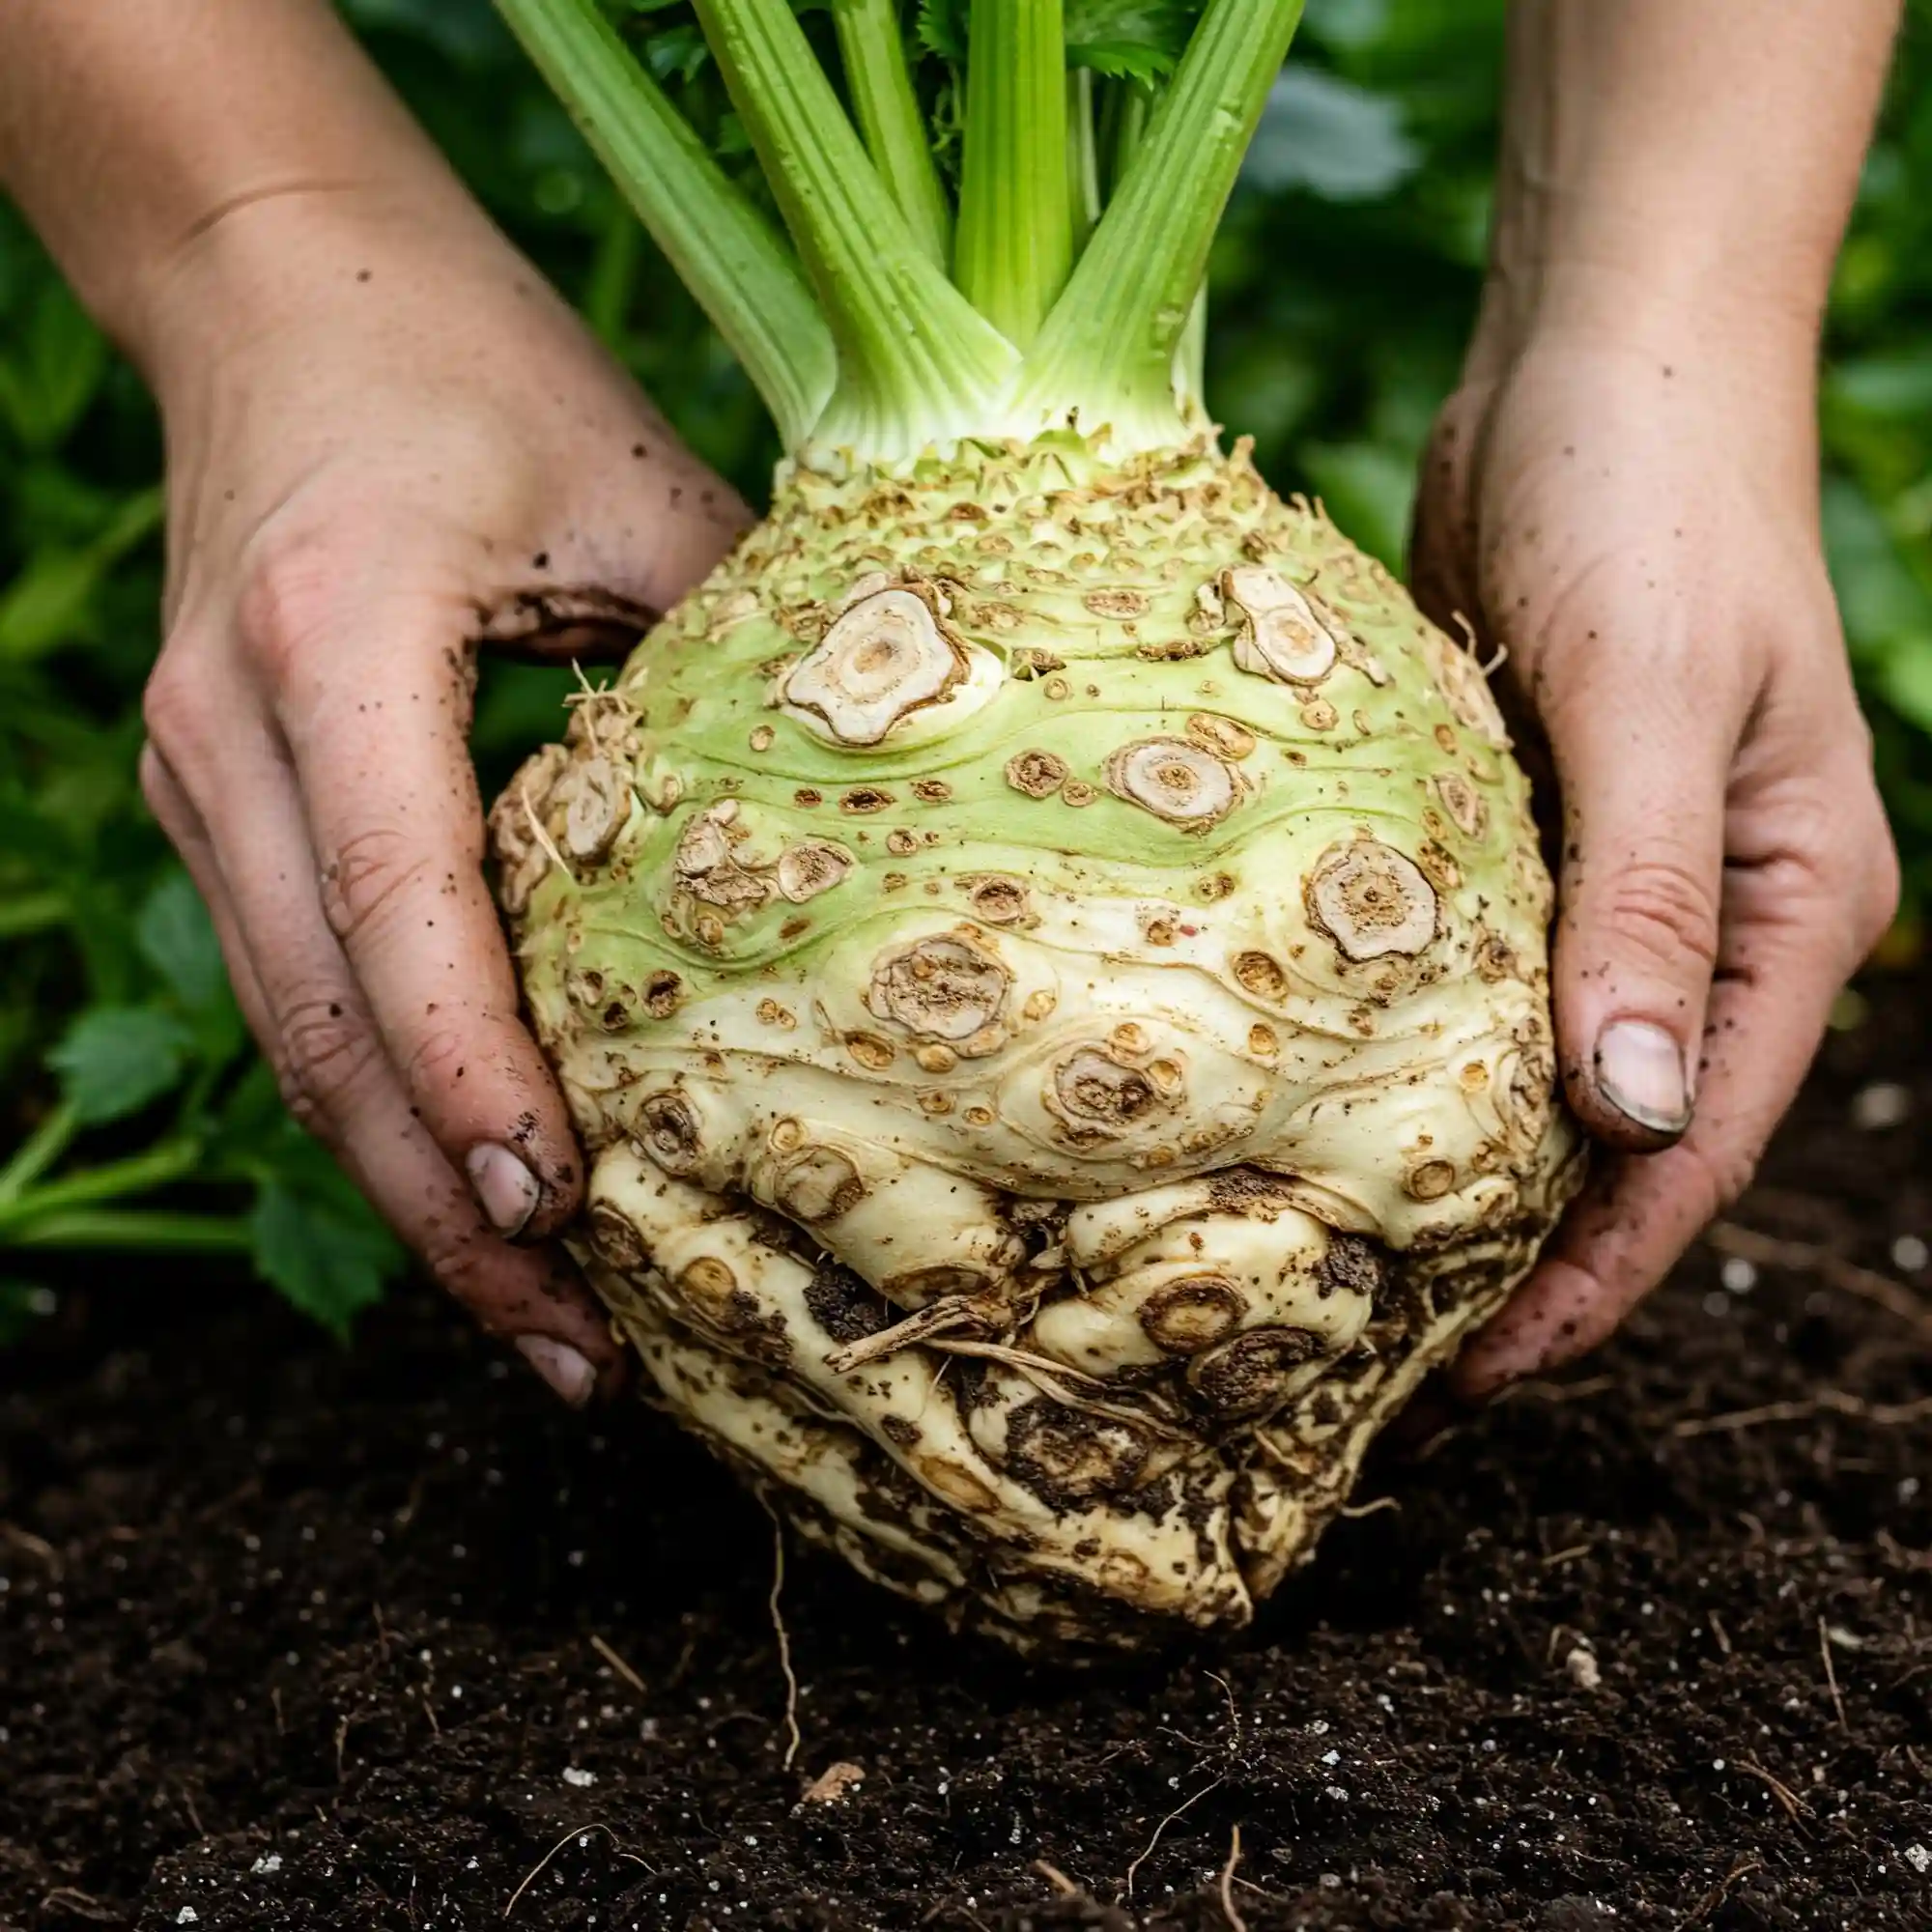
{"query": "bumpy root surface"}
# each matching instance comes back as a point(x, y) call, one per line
point(1050, 963)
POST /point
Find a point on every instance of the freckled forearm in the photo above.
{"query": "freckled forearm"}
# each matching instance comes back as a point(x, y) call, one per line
point(1700, 158)
point(128, 126)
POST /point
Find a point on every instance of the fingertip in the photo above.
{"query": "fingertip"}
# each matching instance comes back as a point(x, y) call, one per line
point(527, 1188)
point(505, 1189)
point(1634, 1088)
point(567, 1371)
point(1563, 1311)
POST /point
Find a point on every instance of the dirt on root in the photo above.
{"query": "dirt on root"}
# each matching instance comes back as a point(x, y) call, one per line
point(294, 1637)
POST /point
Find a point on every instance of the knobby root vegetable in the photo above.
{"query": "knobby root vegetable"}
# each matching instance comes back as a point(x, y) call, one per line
point(1048, 957)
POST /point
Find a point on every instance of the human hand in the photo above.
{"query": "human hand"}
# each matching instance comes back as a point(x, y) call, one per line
point(1632, 518)
point(390, 442)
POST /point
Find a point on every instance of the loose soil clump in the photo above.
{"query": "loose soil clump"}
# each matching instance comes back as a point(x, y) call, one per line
point(297, 1638)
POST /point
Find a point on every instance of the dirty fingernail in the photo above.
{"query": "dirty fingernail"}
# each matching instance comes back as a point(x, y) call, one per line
point(568, 1373)
point(507, 1189)
point(1640, 1073)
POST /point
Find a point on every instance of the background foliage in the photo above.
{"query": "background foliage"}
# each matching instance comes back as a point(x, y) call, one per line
point(135, 1117)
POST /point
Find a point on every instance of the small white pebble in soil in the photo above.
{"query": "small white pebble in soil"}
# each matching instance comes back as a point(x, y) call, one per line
point(267, 1864)
point(1331, 1757)
point(1581, 1668)
point(1908, 1488)
point(1884, 1104)
point(1919, 1859)
point(188, 1915)
point(1910, 1253)
point(1738, 1274)
point(582, 1780)
point(1318, 1728)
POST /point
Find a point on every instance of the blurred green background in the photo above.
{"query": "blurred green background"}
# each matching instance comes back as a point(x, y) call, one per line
point(135, 1117)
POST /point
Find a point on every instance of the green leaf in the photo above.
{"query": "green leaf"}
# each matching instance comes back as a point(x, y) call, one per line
point(62, 361)
point(942, 28)
point(1331, 139)
point(1905, 677)
point(50, 601)
point(677, 54)
point(117, 1060)
point(1128, 40)
point(1352, 25)
point(327, 1256)
point(1886, 385)
point(1879, 598)
point(177, 939)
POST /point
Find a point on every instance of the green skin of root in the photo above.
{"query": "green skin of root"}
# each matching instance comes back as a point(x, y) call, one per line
point(1049, 959)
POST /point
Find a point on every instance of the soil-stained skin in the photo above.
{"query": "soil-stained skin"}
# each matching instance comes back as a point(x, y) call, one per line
point(295, 1636)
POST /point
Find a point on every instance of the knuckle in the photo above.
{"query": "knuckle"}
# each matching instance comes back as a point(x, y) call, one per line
point(160, 787)
point(1720, 1174)
point(1663, 912)
point(289, 597)
point(1880, 891)
point(323, 1053)
point(440, 1056)
point(465, 1262)
point(174, 710)
point(367, 877)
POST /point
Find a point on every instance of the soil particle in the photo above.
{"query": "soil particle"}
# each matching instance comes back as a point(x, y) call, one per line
point(297, 1638)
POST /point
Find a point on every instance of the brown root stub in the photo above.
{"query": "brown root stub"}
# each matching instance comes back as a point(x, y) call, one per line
point(668, 1131)
point(810, 867)
point(1281, 636)
point(947, 988)
point(1193, 1315)
point(1463, 803)
point(1068, 1457)
point(1048, 959)
point(1175, 779)
point(1037, 774)
point(885, 657)
point(1254, 1375)
point(1371, 902)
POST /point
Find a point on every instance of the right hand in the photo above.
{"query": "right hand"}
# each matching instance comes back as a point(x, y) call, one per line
point(1633, 517)
point(389, 442)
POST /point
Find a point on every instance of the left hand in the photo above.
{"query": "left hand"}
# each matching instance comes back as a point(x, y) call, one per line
point(1634, 519)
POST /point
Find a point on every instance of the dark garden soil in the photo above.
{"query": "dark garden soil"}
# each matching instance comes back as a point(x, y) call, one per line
point(294, 1638)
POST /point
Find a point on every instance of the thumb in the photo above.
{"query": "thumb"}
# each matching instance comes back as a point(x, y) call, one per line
point(1642, 782)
